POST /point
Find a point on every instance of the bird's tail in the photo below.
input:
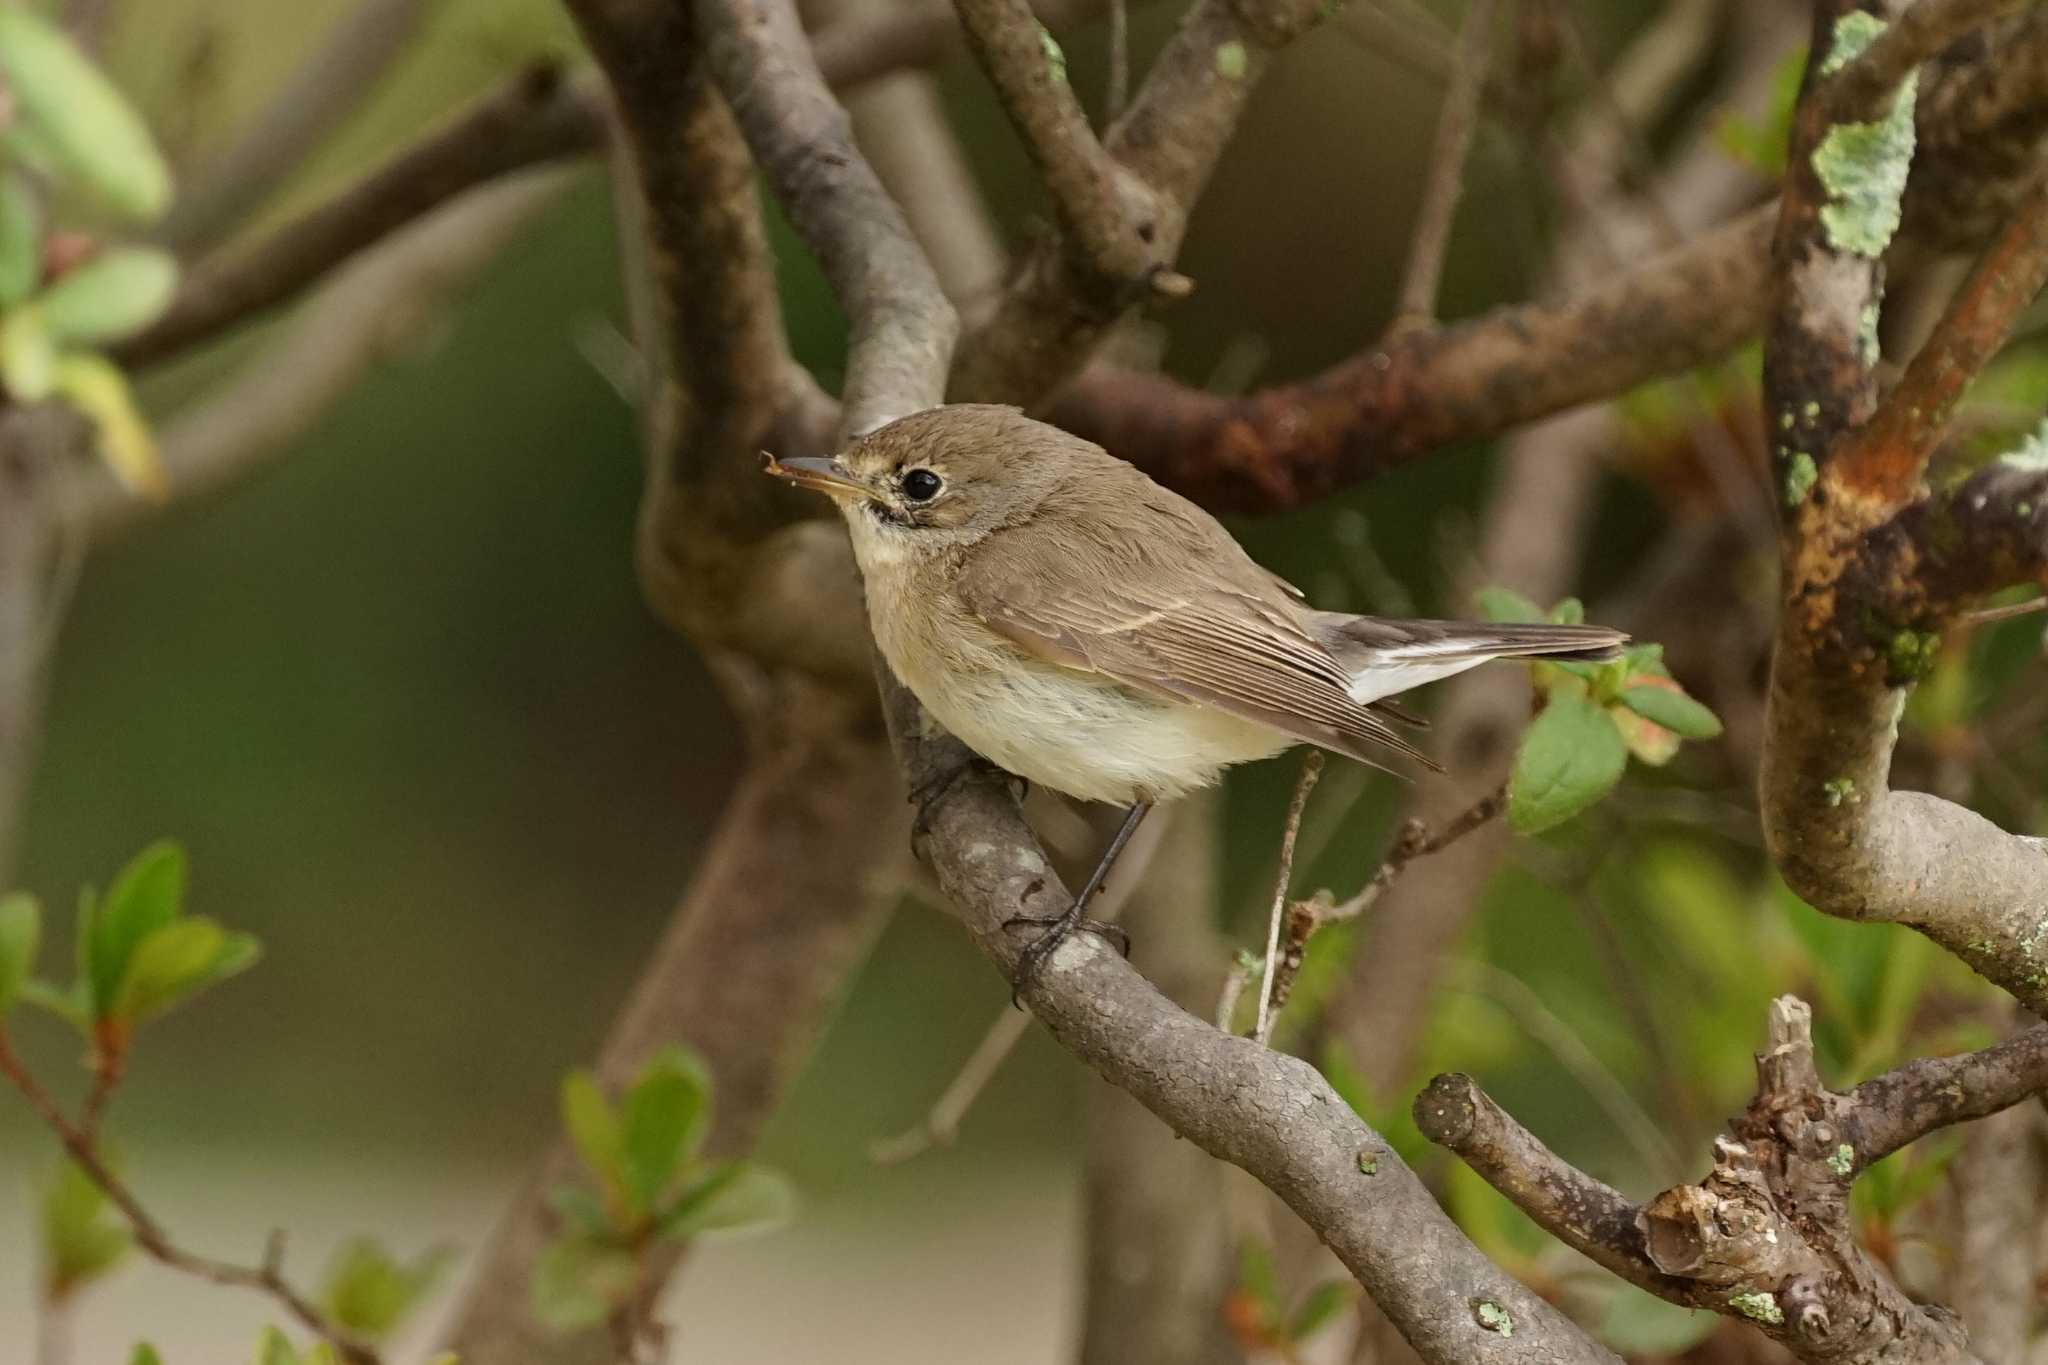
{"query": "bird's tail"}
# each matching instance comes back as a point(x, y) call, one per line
point(1385, 657)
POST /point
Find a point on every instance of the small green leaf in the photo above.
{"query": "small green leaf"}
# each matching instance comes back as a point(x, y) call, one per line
point(28, 356)
point(1569, 612)
point(594, 1129)
point(662, 1121)
point(1322, 1303)
point(165, 967)
point(1673, 710)
point(145, 1354)
point(80, 1243)
point(1570, 758)
point(1256, 1277)
point(119, 291)
point(370, 1293)
point(1505, 604)
point(96, 387)
point(67, 1003)
point(735, 1198)
point(21, 932)
point(577, 1283)
point(71, 118)
point(276, 1349)
point(149, 894)
point(21, 241)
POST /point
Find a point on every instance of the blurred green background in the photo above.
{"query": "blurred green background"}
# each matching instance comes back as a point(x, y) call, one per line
point(399, 697)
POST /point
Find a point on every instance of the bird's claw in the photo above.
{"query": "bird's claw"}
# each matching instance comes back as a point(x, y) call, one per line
point(1031, 961)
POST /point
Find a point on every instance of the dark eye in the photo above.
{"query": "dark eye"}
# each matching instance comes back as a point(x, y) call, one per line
point(921, 485)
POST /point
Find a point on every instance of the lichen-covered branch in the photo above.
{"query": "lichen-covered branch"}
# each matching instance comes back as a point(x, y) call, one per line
point(1766, 1235)
point(1871, 573)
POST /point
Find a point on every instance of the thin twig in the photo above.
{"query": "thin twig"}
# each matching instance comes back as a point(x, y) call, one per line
point(1119, 61)
point(268, 1278)
point(1970, 620)
point(1416, 841)
point(1431, 240)
point(1311, 769)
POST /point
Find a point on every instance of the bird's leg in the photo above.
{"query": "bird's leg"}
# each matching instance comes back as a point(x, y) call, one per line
point(1056, 927)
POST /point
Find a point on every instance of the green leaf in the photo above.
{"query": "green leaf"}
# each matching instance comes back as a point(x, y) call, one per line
point(28, 356)
point(149, 894)
point(734, 1198)
point(577, 1282)
point(594, 1129)
point(80, 1243)
point(1321, 1304)
point(1505, 604)
point(176, 962)
point(21, 932)
point(1256, 1277)
point(145, 1354)
point(1570, 758)
point(1569, 612)
point(662, 1122)
point(96, 387)
point(21, 241)
point(370, 1293)
point(1673, 710)
point(74, 120)
point(276, 1349)
point(119, 291)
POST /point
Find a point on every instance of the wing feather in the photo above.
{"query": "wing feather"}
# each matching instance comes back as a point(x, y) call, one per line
point(1245, 651)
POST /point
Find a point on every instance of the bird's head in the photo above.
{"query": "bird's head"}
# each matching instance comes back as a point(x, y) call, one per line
point(944, 476)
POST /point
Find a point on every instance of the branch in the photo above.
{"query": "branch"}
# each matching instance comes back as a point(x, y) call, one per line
point(350, 325)
point(903, 327)
point(1267, 1112)
point(536, 117)
point(1107, 213)
point(1858, 92)
point(1870, 579)
point(1767, 1235)
point(1416, 393)
point(1433, 219)
point(325, 90)
point(1050, 319)
point(268, 1278)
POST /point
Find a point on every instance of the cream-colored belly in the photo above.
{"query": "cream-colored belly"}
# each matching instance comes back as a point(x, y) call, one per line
point(1079, 734)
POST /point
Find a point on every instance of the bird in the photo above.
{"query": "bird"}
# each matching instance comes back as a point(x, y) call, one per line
point(1087, 629)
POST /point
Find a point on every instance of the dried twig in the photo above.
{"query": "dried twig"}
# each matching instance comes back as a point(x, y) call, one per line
point(1311, 769)
point(1433, 218)
point(267, 1278)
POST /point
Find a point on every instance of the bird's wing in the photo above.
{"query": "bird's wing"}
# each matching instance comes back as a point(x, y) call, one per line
point(1121, 604)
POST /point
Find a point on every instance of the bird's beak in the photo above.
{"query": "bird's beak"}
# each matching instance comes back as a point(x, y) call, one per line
point(823, 476)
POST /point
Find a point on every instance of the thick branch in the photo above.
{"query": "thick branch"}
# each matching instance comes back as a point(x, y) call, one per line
point(1267, 1112)
point(536, 117)
point(1290, 445)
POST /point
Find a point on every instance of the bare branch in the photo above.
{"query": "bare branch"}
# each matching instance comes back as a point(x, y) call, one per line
point(903, 327)
point(1431, 237)
point(1264, 1111)
point(1901, 1106)
point(352, 323)
point(536, 117)
point(267, 1278)
point(1767, 1235)
point(317, 99)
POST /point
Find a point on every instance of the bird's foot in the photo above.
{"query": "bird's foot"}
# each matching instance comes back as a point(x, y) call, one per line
point(1054, 930)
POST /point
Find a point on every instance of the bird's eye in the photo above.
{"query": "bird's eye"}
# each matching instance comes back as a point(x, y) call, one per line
point(921, 485)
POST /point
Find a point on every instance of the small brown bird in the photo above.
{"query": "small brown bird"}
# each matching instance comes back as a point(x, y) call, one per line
point(1084, 628)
